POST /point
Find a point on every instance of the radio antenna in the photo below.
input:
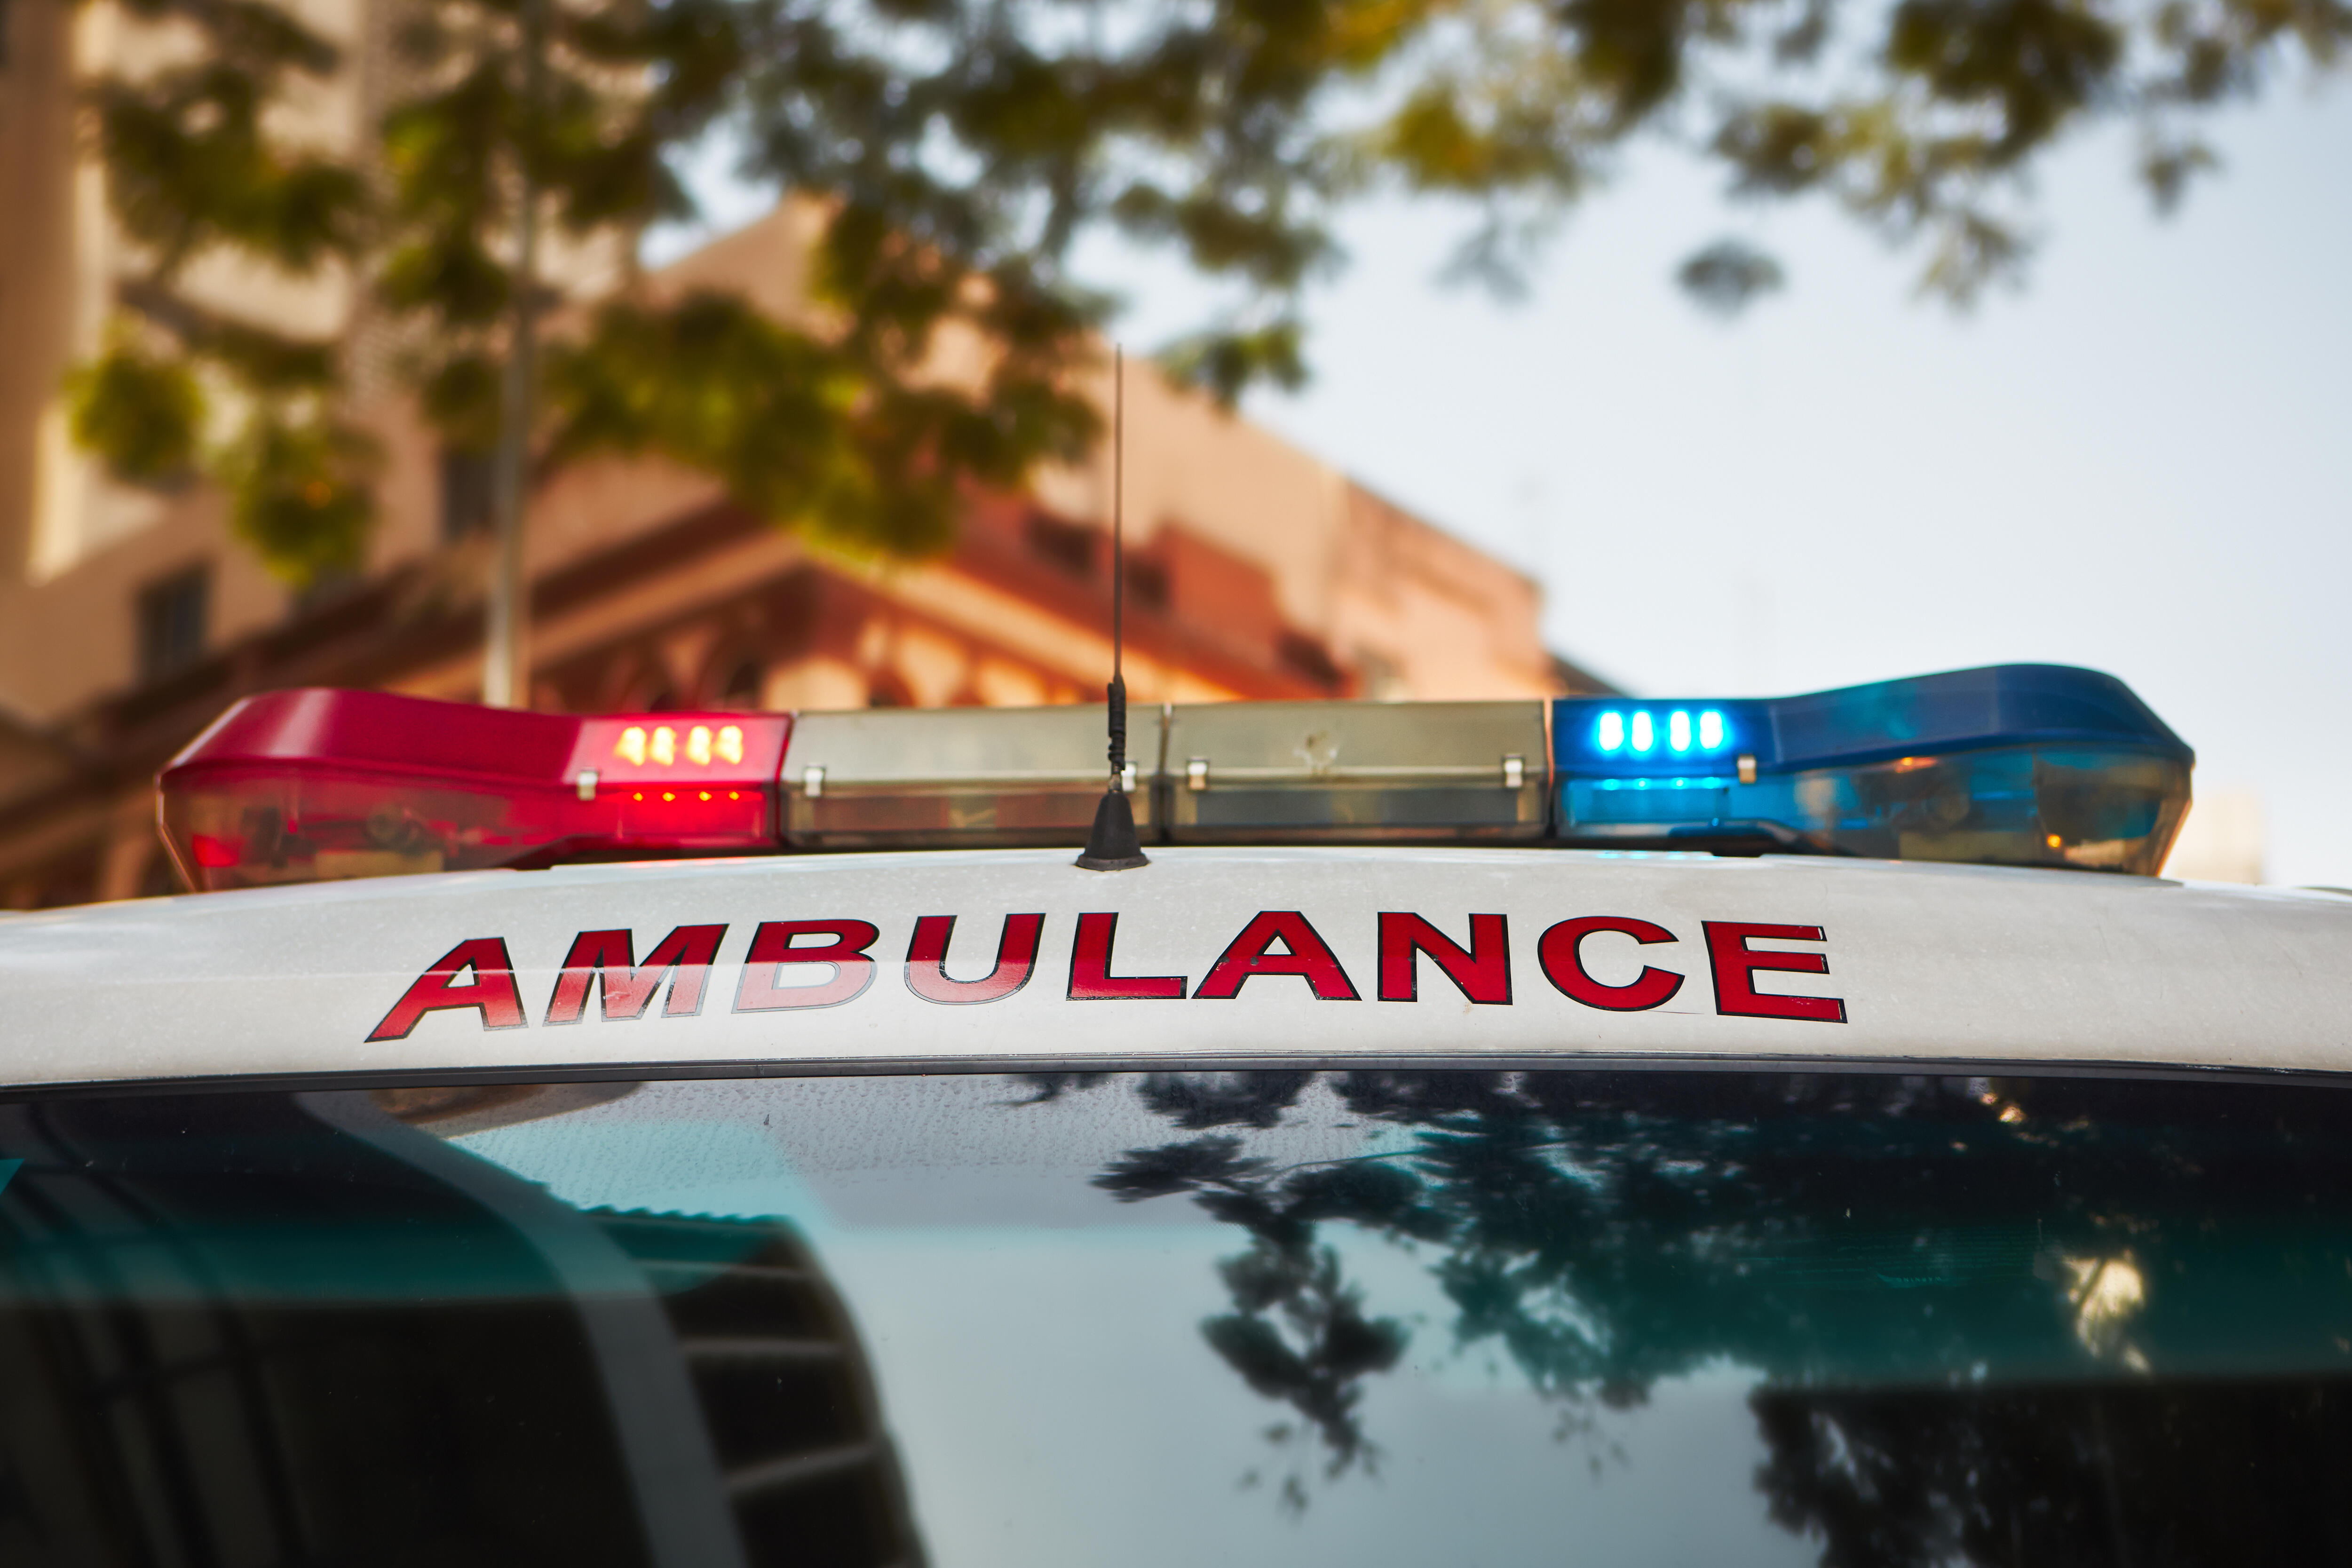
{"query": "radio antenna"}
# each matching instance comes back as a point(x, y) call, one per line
point(1113, 845)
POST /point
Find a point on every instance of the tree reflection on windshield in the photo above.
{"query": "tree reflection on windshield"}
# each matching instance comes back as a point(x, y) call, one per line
point(1998, 1319)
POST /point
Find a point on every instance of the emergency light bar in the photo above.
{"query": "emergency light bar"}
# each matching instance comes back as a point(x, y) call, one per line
point(2015, 764)
point(2019, 764)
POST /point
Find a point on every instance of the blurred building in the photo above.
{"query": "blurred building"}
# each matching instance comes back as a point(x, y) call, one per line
point(2222, 839)
point(128, 617)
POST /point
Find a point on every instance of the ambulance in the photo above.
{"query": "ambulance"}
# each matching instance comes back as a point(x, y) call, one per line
point(1603, 1130)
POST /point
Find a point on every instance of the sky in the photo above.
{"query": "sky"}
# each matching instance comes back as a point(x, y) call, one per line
point(2138, 462)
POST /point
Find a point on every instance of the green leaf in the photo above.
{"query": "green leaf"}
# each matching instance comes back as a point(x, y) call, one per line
point(1224, 363)
point(141, 414)
point(299, 494)
point(1730, 276)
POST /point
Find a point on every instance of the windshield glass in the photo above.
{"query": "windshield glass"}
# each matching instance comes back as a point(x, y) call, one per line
point(1384, 1317)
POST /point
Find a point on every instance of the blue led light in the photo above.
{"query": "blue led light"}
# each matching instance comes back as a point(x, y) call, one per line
point(2019, 764)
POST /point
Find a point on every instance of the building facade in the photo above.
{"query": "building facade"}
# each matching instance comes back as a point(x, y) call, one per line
point(128, 617)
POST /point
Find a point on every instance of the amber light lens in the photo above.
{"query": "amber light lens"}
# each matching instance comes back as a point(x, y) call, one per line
point(317, 786)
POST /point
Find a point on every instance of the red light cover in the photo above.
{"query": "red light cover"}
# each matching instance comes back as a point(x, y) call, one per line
point(316, 786)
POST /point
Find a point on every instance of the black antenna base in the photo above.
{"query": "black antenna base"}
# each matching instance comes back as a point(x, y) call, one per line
point(1113, 845)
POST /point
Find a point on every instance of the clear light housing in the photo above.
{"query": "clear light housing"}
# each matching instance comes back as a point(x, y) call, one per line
point(1354, 772)
point(960, 777)
point(316, 786)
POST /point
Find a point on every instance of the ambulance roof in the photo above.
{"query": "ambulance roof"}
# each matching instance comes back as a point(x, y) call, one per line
point(1215, 954)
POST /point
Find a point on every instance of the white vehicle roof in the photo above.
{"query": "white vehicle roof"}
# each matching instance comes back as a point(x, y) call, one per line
point(1941, 965)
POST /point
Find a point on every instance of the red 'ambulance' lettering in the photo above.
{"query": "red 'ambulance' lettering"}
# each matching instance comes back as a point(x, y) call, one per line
point(926, 961)
point(491, 991)
point(1090, 976)
point(777, 944)
point(1274, 942)
point(602, 958)
point(1560, 951)
point(1734, 972)
point(1304, 954)
point(1482, 974)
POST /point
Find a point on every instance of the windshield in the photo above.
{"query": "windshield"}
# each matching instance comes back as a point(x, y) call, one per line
point(1378, 1317)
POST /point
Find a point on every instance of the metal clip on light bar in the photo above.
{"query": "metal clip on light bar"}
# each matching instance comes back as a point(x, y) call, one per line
point(2012, 764)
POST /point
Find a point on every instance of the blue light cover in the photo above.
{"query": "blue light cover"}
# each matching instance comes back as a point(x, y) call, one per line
point(2019, 764)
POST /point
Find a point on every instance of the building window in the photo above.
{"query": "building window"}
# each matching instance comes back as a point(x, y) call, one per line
point(158, 880)
point(1146, 584)
point(1308, 658)
point(69, 878)
point(1068, 545)
point(325, 588)
point(465, 492)
point(171, 616)
point(739, 692)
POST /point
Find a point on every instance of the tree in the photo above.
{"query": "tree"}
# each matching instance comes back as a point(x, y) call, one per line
point(961, 149)
point(1991, 1321)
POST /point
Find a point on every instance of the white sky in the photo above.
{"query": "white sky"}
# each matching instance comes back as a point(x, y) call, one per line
point(2139, 463)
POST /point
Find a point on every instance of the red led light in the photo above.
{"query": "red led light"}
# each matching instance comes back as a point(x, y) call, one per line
point(211, 851)
point(310, 785)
